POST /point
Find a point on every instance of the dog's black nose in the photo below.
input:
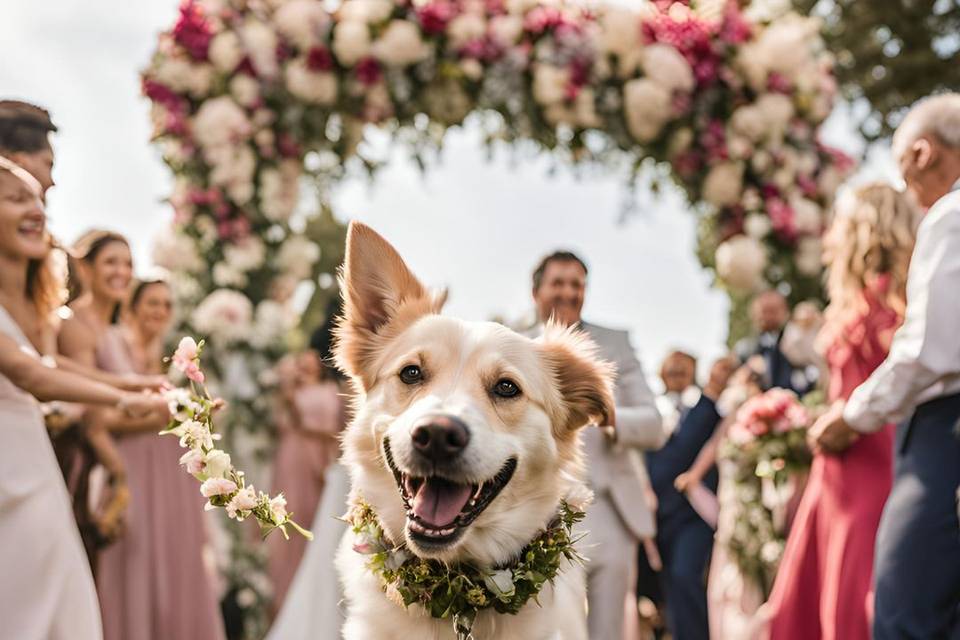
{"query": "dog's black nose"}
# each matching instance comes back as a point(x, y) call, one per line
point(439, 437)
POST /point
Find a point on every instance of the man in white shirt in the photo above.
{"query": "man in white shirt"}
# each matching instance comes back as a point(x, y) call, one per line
point(620, 516)
point(917, 569)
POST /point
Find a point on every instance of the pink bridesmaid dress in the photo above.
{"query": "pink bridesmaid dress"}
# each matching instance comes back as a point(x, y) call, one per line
point(46, 590)
point(152, 582)
point(822, 590)
point(308, 444)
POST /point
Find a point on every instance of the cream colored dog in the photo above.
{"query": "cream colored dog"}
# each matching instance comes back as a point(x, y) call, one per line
point(464, 442)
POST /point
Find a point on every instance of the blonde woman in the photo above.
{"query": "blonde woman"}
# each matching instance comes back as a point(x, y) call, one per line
point(823, 586)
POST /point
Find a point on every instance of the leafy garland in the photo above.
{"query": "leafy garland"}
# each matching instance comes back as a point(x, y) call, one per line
point(460, 591)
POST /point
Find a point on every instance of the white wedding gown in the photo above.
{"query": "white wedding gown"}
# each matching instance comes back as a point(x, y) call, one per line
point(46, 589)
point(312, 610)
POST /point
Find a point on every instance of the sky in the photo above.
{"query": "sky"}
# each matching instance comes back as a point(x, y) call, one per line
point(475, 225)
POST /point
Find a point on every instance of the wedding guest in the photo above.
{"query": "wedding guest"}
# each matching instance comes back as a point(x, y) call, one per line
point(151, 582)
point(309, 418)
point(680, 392)
point(830, 549)
point(769, 313)
point(917, 563)
point(684, 539)
point(25, 139)
point(47, 591)
point(619, 517)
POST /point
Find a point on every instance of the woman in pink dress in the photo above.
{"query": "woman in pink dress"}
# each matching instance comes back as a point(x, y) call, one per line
point(822, 590)
point(309, 418)
point(152, 582)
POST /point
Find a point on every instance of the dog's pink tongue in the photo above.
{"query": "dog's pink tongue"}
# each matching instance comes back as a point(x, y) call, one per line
point(439, 501)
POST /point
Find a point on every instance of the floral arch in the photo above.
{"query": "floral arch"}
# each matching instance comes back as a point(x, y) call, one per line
point(252, 96)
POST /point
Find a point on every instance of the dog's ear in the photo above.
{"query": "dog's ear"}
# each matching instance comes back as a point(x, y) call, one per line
point(380, 297)
point(584, 381)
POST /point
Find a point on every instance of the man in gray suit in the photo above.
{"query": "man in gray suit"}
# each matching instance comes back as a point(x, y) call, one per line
point(621, 514)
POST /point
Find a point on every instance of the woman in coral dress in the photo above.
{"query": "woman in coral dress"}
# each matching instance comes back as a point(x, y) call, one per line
point(822, 590)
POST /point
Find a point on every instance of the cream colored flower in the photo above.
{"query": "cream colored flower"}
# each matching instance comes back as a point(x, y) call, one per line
point(724, 184)
point(226, 52)
point(465, 28)
point(302, 22)
point(313, 87)
point(740, 262)
point(667, 67)
point(400, 45)
point(550, 84)
point(351, 41)
point(647, 108)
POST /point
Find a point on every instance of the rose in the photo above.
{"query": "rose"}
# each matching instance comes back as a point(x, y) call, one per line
point(217, 487)
point(550, 84)
point(724, 184)
point(302, 22)
point(506, 30)
point(351, 42)
point(809, 256)
point(647, 107)
point(224, 314)
point(261, 42)
point(666, 66)
point(220, 121)
point(297, 256)
point(226, 51)
point(500, 582)
point(807, 215)
point(186, 359)
point(400, 45)
point(619, 35)
point(246, 254)
point(369, 11)
point(740, 262)
point(757, 225)
point(216, 463)
point(468, 27)
point(310, 86)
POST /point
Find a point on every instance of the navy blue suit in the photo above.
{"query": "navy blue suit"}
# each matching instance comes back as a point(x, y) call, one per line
point(918, 545)
point(684, 539)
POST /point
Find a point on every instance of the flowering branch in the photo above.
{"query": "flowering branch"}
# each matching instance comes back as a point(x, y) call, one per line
point(223, 484)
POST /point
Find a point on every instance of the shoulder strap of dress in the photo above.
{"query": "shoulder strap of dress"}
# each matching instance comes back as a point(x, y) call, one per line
point(10, 327)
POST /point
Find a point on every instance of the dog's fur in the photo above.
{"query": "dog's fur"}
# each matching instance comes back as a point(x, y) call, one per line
point(390, 322)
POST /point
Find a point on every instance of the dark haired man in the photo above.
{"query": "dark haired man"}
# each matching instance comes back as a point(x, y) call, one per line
point(25, 139)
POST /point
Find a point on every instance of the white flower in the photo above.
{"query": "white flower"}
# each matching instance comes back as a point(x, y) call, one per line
point(224, 315)
point(776, 111)
point(786, 46)
point(261, 43)
point(273, 321)
point(246, 254)
point(757, 225)
point(351, 41)
point(226, 275)
point(724, 184)
point(646, 107)
point(226, 51)
point(245, 500)
point(500, 582)
point(807, 215)
point(280, 191)
point(177, 251)
point(217, 463)
point(749, 122)
point(585, 109)
point(296, 256)
point(550, 84)
point(193, 434)
point(181, 403)
point(680, 142)
point(314, 87)
point(472, 68)
point(219, 122)
point(302, 22)
point(666, 66)
point(400, 44)
point(619, 35)
point(740, 262)
point(278, 508)
point(761, 161)
point(245, 90)
point(739, 147)
point(809, 256)
point(368, 11)
point(465, 28)
point(506, 30)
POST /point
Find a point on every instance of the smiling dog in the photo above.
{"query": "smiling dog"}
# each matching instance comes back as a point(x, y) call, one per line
point(463, 444)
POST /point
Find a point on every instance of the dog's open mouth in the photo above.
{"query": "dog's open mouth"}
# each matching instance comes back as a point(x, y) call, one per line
point(440, 509)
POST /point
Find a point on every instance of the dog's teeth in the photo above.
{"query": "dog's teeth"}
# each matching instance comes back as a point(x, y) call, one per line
point(446, 532)
point(476, 495)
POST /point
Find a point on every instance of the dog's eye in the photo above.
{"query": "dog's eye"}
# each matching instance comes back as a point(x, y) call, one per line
point(411, 374)
point(506, 389)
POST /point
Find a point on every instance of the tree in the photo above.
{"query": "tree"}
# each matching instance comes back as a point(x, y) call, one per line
point(890, 53)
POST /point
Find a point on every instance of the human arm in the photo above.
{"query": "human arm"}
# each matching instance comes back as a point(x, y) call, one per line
point(638, 423)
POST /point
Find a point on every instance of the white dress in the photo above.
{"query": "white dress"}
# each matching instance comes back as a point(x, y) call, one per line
point(46, 591)
point(311, 610)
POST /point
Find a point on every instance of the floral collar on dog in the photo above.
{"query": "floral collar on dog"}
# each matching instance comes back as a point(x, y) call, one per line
point(460, 591)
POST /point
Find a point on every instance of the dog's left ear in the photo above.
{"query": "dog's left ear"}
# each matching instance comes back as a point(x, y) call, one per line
point(381, 297)
point(585, 382)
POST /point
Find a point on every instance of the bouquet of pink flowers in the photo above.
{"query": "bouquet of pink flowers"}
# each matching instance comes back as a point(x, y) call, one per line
point(767, 445)
point(223, 484)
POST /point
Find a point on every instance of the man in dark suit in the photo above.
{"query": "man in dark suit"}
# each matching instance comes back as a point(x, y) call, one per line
point(684, 539)
point(769, 313)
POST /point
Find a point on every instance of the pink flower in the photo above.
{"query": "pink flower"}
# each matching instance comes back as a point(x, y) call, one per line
point(217, 487)
point(319, 59)
point(192, 461)
point(368, 71)
point(435, 16)
point(187, 359)
point(192, 32)
point(245, 500)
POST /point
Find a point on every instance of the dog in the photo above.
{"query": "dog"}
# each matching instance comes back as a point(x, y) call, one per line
point(464, 441)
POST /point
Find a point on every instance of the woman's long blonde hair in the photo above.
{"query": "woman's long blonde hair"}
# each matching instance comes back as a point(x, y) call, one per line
point(871, 236)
